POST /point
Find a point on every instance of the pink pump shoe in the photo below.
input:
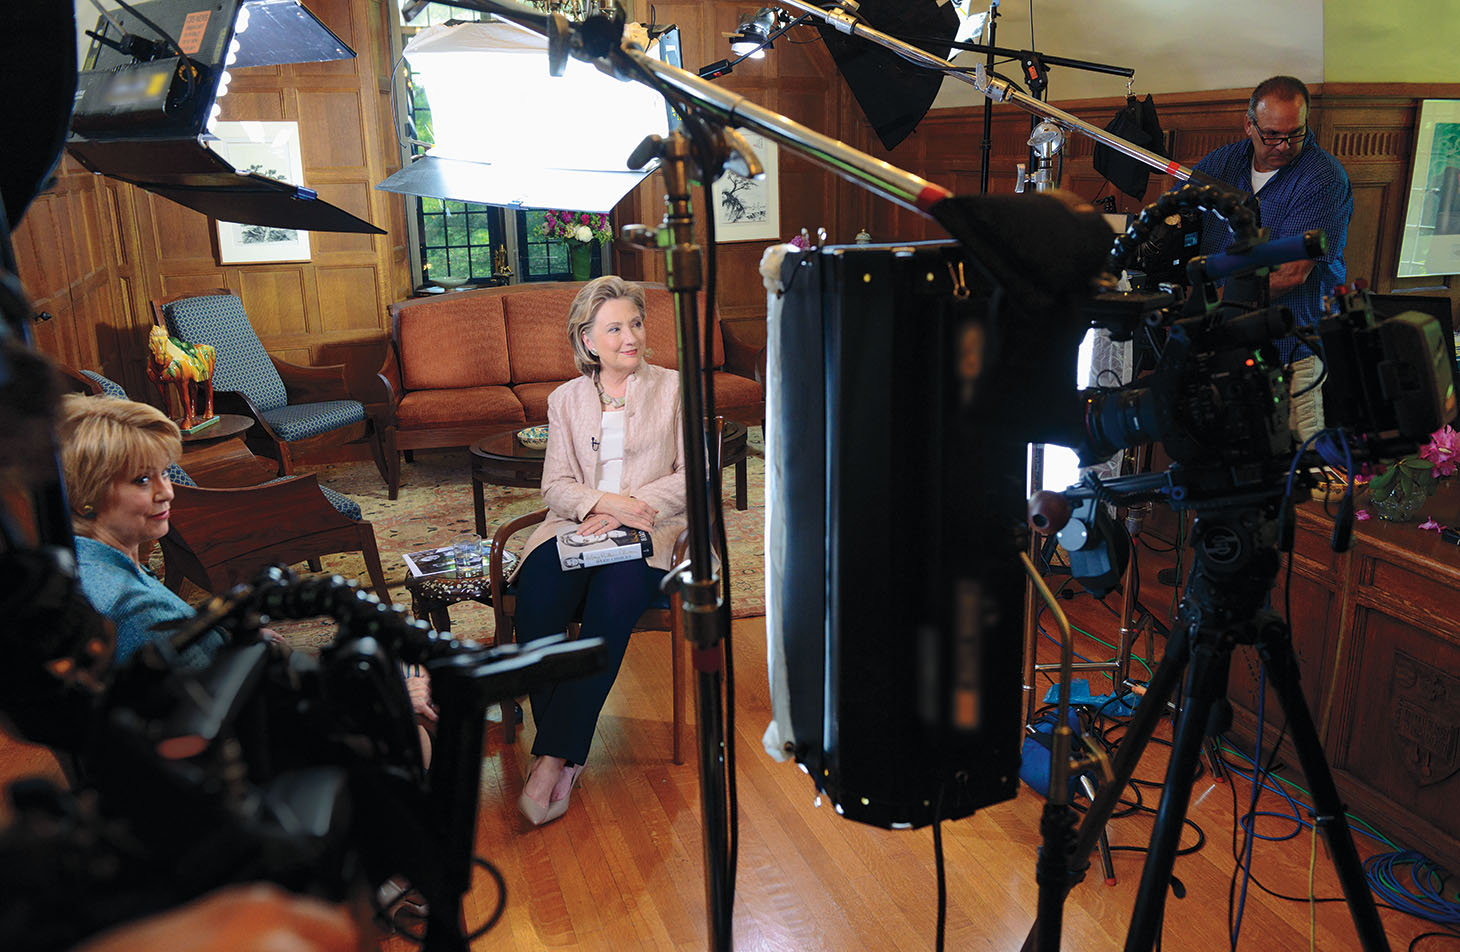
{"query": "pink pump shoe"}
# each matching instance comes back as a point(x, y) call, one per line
point(538, 813)
point(558, 807)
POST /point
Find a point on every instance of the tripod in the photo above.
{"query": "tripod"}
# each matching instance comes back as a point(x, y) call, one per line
point(1232, 574)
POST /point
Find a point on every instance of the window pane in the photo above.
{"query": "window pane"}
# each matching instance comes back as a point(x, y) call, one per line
point(430, 205)
point(481, 230)
point(456, 233)
point(455, 208)
point(436, 260)
point(433, 231)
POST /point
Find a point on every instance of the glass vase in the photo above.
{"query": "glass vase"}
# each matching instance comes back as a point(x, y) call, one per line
point(580, 260)
point(1401, 496)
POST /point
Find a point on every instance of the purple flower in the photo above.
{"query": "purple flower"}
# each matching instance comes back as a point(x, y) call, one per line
point(1443, 450)
point(1362, 515)
point(1431, 525)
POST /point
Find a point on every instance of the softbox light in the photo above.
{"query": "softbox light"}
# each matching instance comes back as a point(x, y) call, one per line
point(148, 91)
point(508, 133)
point(893, 93)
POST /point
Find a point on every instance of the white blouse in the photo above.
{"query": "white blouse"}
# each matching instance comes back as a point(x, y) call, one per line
point(610, 467)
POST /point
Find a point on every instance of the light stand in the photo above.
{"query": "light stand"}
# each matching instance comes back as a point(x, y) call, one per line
point(597, 40)
point(697, 583)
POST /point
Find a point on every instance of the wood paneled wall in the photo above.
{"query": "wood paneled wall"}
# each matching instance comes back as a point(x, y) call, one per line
point(1369, 128)
point(94, 251)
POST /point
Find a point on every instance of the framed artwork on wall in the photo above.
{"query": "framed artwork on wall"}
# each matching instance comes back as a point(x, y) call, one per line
point(1431, 240)
point(270, 149)
point(747, 209)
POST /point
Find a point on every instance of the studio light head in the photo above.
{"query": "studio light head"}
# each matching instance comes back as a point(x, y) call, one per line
point(753, 36)
point(147, 98)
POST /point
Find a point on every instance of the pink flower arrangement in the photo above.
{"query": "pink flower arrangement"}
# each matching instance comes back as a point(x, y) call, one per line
point(1443, 450)
point(581, 227)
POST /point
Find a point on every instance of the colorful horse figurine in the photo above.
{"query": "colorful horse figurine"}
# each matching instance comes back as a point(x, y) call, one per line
point(185, 366)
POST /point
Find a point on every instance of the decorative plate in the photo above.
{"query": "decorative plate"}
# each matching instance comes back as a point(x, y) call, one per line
point(534, 437)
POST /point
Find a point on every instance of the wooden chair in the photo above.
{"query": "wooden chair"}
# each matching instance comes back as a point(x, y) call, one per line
point(220, 537)
point(667, 615)
point(297, 409)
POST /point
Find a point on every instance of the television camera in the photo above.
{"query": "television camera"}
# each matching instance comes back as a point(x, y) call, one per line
point(301, 771)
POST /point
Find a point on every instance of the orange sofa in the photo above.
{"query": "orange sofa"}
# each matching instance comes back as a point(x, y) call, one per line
point(466, 364)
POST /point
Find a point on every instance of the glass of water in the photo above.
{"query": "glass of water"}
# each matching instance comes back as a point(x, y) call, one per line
point(468, 558)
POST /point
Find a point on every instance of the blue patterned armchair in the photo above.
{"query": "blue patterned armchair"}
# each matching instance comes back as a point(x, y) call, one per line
point(297, 409)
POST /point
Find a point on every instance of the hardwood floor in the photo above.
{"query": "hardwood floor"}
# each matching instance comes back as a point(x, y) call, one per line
point(622, 870)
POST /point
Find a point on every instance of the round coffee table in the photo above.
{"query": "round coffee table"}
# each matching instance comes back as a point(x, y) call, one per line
point(500, 459)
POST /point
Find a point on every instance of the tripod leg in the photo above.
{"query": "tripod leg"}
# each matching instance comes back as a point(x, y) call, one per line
point(1106, 864)
point(1328, 809)
point(1206, 686)
point(1137, 735)
point(1213, 750)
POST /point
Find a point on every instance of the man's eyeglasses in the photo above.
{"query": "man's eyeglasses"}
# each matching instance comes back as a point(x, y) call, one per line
point(1271, 140)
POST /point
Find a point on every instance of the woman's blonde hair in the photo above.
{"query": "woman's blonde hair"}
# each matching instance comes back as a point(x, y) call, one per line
point(584, 310)
point(103, 440)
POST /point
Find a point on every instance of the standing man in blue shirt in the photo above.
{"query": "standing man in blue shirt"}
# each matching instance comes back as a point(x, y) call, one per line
point(1299, 186)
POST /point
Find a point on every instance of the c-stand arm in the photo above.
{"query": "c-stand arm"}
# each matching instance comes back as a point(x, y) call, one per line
point(997, 90)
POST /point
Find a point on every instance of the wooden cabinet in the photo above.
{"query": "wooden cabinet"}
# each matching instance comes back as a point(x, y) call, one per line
point(1377, 633)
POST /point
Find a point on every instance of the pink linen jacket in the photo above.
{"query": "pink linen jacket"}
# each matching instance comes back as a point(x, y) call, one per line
point(653, 468)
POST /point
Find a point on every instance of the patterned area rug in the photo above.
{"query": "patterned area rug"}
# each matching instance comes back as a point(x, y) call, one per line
point(435, 509)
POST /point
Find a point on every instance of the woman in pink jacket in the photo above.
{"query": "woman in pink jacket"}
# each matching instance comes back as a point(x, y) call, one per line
point(614, 458)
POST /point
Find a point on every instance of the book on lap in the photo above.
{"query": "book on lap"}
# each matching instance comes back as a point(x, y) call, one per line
point(576, 551)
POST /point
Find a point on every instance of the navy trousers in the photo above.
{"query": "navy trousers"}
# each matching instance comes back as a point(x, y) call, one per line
point(612, 597)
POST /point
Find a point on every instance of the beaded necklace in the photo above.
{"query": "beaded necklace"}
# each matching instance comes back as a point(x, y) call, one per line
point(613, 403)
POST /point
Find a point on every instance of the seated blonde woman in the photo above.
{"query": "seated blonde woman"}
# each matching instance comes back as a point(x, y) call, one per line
point(113, 454)
point(615, 457)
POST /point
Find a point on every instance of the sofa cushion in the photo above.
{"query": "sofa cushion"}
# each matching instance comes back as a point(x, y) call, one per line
point(534, 397)
point(537, 333)
point(461, 406)
point(660, 323)
point(452, 341)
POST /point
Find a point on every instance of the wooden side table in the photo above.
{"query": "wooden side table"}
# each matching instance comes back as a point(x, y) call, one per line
point(217, 458)
point(432, 598)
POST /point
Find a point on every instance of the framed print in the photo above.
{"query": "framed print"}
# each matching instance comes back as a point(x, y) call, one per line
point(270, 149)
point(1431, 241)
point(746, 209)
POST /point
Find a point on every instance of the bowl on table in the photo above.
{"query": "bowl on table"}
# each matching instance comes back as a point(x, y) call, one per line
point(534, 437)
point(450, 280)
